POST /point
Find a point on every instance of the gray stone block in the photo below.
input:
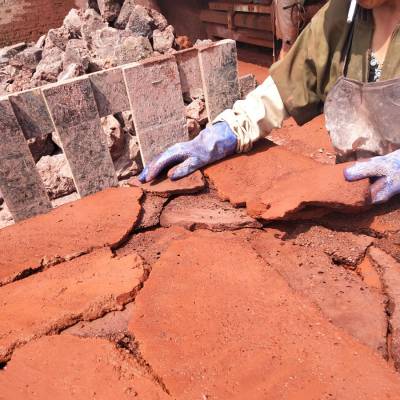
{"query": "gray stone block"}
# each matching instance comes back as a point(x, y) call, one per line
point(218, 65)
point(109, 91)
point(74, 111)
point(20, 183)
point(32, 114)
point(157, 106)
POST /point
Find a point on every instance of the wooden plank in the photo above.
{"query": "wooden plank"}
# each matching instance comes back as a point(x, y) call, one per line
point(240, 20)
point(74, 112)
point(109, 91)
point(155, 95)
point(251, 8)
point(218, 64)
point(32, 114)
point(189, 73)
point(240, 35)
point(20, 183)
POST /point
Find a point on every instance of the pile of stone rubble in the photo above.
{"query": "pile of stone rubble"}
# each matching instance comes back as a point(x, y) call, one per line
point(100, 35)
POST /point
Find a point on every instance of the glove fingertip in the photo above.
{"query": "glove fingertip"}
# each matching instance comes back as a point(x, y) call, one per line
point(142, 177)
point(351, 173)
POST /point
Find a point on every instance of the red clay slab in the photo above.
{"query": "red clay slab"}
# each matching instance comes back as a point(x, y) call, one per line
point(67, 367)
point(82, 289)
point(302, 192)
point(215, 322)
point(166, 188)
point(244, 177)
point(103, 219)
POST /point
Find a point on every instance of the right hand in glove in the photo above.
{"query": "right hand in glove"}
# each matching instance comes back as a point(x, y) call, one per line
point(212, 144)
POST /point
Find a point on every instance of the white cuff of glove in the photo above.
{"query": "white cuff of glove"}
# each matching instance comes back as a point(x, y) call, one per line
point(256, 116)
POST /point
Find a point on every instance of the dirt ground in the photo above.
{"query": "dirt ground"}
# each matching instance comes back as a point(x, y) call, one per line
point(175, 290)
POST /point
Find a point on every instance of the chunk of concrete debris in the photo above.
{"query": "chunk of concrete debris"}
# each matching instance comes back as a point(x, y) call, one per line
point(103, 219)
point(55, 366)
point(323, 187)
point(28, 58)
point(73, 22)
point(139, 22)
point(10, 51)
point(124, 14)
point(109, 9)
point(205, 211)
point(133, 49)
point(274, 343)
point(165, 188)
point(242, 178)
point(49, 67)
point(82, 289)
point(163, 40)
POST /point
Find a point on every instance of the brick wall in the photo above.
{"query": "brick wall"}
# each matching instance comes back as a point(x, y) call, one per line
point(27, 20)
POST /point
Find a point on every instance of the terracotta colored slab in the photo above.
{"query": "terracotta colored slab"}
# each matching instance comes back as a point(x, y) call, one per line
point(20, 183)
point(219, 69)
point(299, 193)
point(82, 289)
point(205, 211)
point(65, 367)
point(244, 177)
point(103, 219)
point(157, 106)
point(32, 113)
point(74, 112)
point(189, 72)
point(220, 340)
point(166, 188)
point(109, 91)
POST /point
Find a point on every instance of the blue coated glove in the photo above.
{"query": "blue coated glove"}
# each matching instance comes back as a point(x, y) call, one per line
point(387, 171)
point(212, 144)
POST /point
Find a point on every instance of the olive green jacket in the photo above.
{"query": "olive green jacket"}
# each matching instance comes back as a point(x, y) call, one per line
point(314, 64)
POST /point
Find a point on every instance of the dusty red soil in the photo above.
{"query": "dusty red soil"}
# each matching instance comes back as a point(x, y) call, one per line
point(155, 293)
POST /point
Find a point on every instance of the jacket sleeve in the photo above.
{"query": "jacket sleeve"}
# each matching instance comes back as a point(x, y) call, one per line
point(254, 117)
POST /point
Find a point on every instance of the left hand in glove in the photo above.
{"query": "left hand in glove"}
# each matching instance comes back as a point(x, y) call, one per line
point(387, 171)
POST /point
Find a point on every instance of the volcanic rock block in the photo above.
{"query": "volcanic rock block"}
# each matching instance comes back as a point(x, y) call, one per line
point(298, 194)
point(157, 106)
point(109, 9)
point(389, 270)
point(124, 14)
point(192, 183)
point(338, 292)
point(82, 289)
point(140, 22)
point(189, 73)
point(103, 219)
point(214, 321)
point(218, 65)
point(28, 58)
point(109, 91)
point(163, 40)
point(205, 212)
point(20, 183)
point(77, 121)
point(243, 178)
point(32, 114)
point(132, 49)
point(51, 368)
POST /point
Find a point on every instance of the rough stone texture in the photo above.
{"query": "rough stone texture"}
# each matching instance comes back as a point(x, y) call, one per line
point(49, 67)
point(73, 22)
point(189, 73)
point(129, 164)
point(78, 53)
point(389, 270)
point(28, 58)
point(124, 14)
point(133, 49)
point(247, 83)
point(41, 146)
point(218, 65)
point(163, 40)
point(58, 367)
point(32, 114)
point(152, 207)
point(205, 212)
point(139, 21)
point(218, 339)
point(109, 92)
point(166, 188)
point(339, 293)
point(20, 183)
point(369, 274)
point(91, 22)
point(115, 136)
point(244, 177)
point(290, 198)
point(109, 9)
point(56, 175)
point(77, 120)
point(82, 289)
point(103, 219)
point(163, 123)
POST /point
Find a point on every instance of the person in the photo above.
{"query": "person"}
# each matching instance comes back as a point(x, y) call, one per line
point(349, 70)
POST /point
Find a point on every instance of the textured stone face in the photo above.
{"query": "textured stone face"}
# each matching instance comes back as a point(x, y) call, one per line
point(109, 92)
point(157, 105)
point(77, 120)
point(20, 182)
point(218, 64)
point(32, 114)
